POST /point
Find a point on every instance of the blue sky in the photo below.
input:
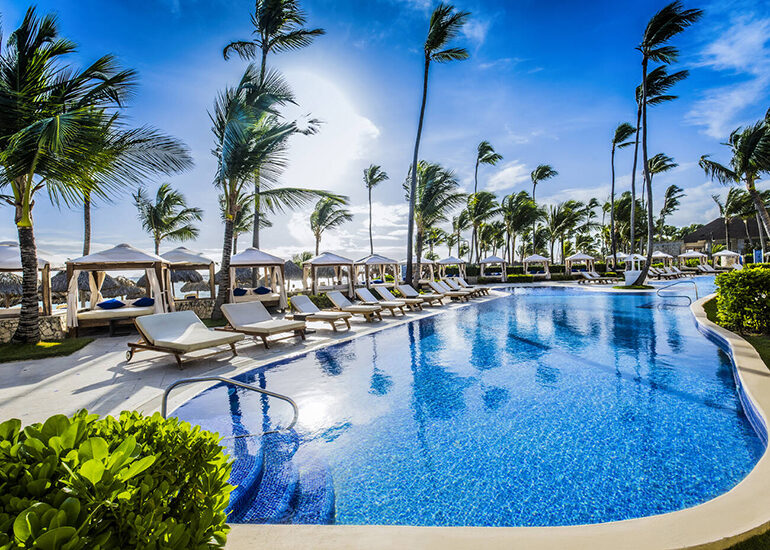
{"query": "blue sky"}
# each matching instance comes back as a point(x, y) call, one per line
point(547, 82)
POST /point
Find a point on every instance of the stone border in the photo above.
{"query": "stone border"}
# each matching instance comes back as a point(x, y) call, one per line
point(728, 519)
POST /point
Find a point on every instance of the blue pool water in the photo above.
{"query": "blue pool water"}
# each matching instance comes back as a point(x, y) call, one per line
point(545, 407)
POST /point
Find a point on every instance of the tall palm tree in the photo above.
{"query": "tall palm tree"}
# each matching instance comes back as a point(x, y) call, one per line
point(329, 213)
point(671, 200)
point(664, 25)
point(460, 223)
point(542, 173)
point(445, 24)
point(481, 208)
point(51, 116)
point(729, 209)
point(373, 176)
point(619, 141)
point(750, 149)
point(659, 164)
point(519, 212)
point(436, 194)
point(434, 237)
point(167, 216)
point(485, 154)
point(658, 84)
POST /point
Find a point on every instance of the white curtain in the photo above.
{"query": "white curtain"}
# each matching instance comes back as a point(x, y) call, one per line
point(72, 300)
point(232, 284)
point(155, 291)
point(283, 302)
point(95, 286)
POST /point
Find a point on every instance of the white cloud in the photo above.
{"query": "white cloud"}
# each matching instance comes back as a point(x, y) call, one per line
point(743, 49)
point(476, 31)
point(510, 174)
point(697, 206)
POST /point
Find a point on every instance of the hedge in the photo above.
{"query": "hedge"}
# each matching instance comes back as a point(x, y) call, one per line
point(132, 482)
point(743, 299)
point(321, 301)
point(520, 278)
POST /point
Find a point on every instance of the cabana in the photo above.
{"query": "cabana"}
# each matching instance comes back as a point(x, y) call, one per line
point(692, 255)
point(450, 260)
point(579, 258)
point(537, 259)
point(379, 264)
point(10, 262)
point(338, 264)
point(493, 260)
point(727, 258)
point(427, 268)
point(635, 262)
point(666, 259)
point(123, 257)
point(269, 268)
point(618, 259)
point(184, 260)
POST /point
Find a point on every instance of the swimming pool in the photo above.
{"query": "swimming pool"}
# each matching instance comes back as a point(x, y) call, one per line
point(550, 406)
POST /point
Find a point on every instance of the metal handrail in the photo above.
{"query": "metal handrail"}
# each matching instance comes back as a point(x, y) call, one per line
point(183, 381)
point(695, 286)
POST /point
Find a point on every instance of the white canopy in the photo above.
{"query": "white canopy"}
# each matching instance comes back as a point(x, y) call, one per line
point(535, 258)
point(423, 261)
point(310, 267)
point(580, 257)
point(660, 255)
point(450, 260)
point(327, 258)
point(376, 259)
point(255, 257)
point(619, 257)
point(726, 254)
point(692, 254)
point(10, 257)
point(492, 260)
point(120, 254)
point(182, 255)
point(377, 264)
point(635, 258)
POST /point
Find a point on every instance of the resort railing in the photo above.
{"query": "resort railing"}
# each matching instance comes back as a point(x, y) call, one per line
point(231, 382)
point(658, 292)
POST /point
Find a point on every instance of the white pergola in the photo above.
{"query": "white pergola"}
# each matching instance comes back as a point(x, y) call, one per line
point(635, 261)
point(579, 258)
point(376, 263)
point(270, 268)
point(10, 261)
point(493, 260)
point(693, 255)
point(537, 259)
point(448, 261)
point(659, 256)
point(340, 265)
point(727, 258)
point(426, 266)
point(619, 258)
point(184, 259)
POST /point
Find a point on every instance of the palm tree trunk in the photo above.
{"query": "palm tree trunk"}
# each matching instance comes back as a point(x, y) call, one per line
point(748, 235)
point(418, 260)
point(759, 205)
point(317, 244)
point(28, 329)
point(371, 241)
point(157, 246)
point(476, 177)
point(633, 177)
point(413, 185)
point(224, 282)
point(648, 180)
point(255, 228)
point(86, 224)
point(761, 233)
point(235, 243)
point(614, 245)
point(727, 233)
point(534, 222)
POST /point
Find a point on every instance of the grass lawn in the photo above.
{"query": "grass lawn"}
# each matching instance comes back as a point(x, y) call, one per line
point(41, 350)
point(634, 287)
point(213, 323)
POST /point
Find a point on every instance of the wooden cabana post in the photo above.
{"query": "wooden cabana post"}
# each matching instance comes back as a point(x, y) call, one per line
point(338, 264)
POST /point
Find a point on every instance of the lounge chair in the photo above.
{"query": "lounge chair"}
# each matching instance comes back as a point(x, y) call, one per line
point(177, 333)
point(370, 313)
point(463, 284)
point(310, 312)
point(252, 319)
point(587, 278)
point(437, 287)
point(385, 294)
point(676, 271)
point(706, 268)
point(602, 279)
point(370, 300)
point(409, 292)
point(474, 292)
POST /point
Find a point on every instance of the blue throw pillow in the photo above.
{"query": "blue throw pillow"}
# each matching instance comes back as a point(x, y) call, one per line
point(262, 290)
point(144, 302)
point(239, 292)
point(110, 304)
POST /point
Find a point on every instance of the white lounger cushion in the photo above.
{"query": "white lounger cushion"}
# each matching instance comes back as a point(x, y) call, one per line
point(345, 305)
point(183, 332)
point(304, 305)
point(388, 295)
point(365, 295)
point(252, 317)
point(127, 312)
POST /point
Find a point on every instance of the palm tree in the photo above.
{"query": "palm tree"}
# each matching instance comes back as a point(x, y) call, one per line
point(664, 25)
point(750, 149)
point(481, 207)
point(671, 201)
point(436, 194)
point(329, 213)
point(243, 218)
point(278, 27)
point(541, 173)
point(659, 164)
point(730, 208)
point(619, 141)
point(485, 154)
point(460, 223)
point(373, 176)
point(658, 84)
point(445, 24)
point(51, 117)
point(434, 237)
point(167, 216)
point(519, 212)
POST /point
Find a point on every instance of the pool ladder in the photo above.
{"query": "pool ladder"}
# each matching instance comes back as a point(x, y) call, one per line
point(236, 383)
point(658, 292)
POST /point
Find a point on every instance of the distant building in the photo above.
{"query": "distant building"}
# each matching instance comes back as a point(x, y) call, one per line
point(741, 234)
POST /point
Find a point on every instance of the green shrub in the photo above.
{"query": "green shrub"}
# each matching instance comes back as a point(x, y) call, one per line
point(743, 299)
point(132, 482)
point(514, 270)
point(556, 268)
point(321, 301)
point(488, 280)
point(520, 278)
point(561, 277)
point(694, 262)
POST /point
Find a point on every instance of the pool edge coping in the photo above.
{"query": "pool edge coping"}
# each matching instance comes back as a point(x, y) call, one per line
point(717, 524)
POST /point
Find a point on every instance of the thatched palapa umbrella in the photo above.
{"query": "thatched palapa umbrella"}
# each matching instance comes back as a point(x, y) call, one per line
point(10, 288)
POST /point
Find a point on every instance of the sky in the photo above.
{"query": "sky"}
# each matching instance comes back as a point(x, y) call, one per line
point(546, 82)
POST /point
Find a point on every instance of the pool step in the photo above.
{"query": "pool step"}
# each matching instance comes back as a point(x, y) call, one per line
point(248, 454)
point(315, 495)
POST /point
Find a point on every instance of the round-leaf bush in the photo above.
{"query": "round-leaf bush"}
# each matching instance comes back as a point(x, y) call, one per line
point(104, 483)
point(743, 299)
